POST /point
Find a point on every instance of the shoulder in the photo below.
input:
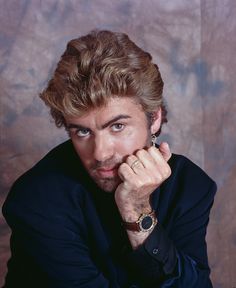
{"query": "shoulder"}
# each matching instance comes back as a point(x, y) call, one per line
point(185, 171)
point(188, 183)
point(53, 182)
point(57, 165)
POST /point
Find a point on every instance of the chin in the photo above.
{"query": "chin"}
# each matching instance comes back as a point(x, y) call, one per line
point(108, 184)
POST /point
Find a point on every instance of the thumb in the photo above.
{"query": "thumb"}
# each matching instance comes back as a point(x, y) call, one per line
point(164, 148)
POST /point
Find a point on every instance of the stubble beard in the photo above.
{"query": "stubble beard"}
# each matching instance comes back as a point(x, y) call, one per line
point(110, 184)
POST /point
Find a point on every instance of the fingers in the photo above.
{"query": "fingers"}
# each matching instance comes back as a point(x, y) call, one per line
point(133, 166)
point(135, 163)
point(161, 160)
point(153, 159)
point(149, 158)
point(146, 158)
point(165, 150)
point(126, 173)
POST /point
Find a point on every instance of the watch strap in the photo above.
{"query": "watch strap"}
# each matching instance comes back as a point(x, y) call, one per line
point(137, 225)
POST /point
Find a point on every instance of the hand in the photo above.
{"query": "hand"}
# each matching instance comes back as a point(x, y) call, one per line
point(141, 174)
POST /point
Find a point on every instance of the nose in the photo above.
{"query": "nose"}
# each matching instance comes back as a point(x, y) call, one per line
point(103, 148)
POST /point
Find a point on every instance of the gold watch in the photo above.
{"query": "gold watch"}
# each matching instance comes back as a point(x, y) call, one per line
point(145, 223)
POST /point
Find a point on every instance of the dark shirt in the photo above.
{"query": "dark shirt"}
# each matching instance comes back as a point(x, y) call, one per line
point(66, 232)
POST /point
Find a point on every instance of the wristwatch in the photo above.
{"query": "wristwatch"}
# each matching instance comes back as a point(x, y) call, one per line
point(145, 223)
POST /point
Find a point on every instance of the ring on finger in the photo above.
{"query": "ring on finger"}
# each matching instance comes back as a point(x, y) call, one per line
point(135, 163)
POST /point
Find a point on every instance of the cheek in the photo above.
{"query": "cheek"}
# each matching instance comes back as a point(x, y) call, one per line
point(83, 151)
point(132, 141)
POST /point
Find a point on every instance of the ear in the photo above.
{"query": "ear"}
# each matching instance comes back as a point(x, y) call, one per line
point(156, 121)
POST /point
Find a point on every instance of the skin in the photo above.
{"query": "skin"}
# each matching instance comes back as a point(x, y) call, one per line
point(108, 141)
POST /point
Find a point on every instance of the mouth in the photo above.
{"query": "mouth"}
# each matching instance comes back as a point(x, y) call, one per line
point(106, 172)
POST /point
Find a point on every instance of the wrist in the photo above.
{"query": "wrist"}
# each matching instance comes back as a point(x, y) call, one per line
point(131, 212)
point(145, 223)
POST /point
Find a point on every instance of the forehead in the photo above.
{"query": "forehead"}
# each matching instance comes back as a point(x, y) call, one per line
point(114, 107)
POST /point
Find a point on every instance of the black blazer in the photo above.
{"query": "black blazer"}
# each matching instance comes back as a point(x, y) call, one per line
point(66, 232)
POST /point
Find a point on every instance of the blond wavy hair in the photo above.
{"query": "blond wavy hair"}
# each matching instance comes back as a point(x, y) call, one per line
point(98, 66)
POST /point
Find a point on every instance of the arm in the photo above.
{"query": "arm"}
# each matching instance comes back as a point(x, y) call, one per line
point(181, 259)
point(49, 241)
point(179, 256)
point(141, 174)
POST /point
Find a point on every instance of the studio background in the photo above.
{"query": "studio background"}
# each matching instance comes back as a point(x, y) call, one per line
point(193, 43)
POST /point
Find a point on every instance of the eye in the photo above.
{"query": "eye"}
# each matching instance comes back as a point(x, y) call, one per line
point(117, 127)
point(82, 132)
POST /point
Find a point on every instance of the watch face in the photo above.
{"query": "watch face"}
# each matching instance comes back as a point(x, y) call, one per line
point(146, 223)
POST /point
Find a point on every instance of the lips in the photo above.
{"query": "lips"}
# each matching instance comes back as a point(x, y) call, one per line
point(105, 172)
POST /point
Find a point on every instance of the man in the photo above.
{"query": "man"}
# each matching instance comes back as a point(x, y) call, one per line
point(109, 208)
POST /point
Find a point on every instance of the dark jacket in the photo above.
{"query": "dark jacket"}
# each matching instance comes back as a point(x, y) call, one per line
point(66, 232)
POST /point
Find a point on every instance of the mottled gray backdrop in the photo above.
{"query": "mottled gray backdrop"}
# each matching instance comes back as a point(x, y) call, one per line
point(194, 42)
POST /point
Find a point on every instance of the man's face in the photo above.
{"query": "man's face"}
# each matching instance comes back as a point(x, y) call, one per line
point(105, 136)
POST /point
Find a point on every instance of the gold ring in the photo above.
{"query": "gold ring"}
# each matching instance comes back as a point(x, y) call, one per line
point(135, 163)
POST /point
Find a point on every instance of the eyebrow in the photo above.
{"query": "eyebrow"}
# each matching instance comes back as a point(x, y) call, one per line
point(105, 125)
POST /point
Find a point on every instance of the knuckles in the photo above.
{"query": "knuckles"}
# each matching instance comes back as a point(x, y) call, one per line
point(166, 171)
point(123, 167)
point(152, 177)
point(152, 149)
point(141, 153)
